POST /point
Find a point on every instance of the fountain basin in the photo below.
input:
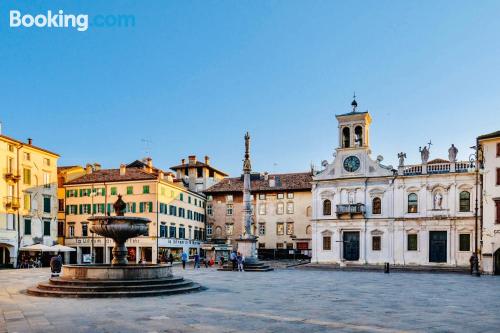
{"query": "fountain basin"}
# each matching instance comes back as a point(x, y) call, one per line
point(110, 272)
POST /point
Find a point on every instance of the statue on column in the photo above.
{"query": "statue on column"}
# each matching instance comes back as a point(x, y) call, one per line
point(452, 153)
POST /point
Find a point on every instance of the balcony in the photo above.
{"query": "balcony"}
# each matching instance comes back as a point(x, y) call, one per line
point(12, 203)
point(351, 210)
point(11, 176)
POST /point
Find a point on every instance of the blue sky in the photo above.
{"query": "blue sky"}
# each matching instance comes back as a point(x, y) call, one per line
point(192, 76)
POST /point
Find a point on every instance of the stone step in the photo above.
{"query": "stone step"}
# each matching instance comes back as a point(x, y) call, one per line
point(77, 282)
point(88, 294)
point(99, 288)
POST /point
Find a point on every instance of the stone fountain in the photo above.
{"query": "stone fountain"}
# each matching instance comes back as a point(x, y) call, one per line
point(120, 279)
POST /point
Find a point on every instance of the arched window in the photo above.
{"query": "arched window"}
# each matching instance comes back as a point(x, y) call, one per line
point(358, 133)
point(346, 137)
point(308, 230)
point(376, 206)
point(412, 203)
point(464, 201)
point(308, 211)
point(327, 207)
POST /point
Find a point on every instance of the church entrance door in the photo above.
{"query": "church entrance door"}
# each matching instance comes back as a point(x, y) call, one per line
point(496, 262)
point(437, 246)
point(351, 245)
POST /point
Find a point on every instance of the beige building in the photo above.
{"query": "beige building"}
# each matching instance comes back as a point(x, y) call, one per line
point(28, 189)
point(198, 176)
point(281, 213)
point(490, 173)
point(177, 214)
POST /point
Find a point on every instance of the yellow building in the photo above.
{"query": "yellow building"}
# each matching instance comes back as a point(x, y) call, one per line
point(28, 189)
point(66, 174)
point(177, 214)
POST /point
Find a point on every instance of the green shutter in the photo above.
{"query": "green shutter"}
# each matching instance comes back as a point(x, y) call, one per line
point(141, 207)
point(81, 192)
point(103, 192)
point(67, 193)
point(94, 208)
point(134, 208)
point(67, 209)
point(109, 209)
point(150, 207)
point(80, 208)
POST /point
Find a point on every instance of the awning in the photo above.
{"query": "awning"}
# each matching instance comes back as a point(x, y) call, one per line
point(36, 247)
point(61, 248)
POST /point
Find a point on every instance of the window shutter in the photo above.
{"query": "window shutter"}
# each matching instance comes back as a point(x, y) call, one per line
point(497, 203)
point(150, 207)
point(109, 208)
point(498, 176)
point(67, 193)
point(498, 149)
point(67, 209)
point(80, 209)
point(141, 207)
point(94, 208)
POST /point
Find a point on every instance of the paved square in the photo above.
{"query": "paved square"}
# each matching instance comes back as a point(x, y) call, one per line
point(279, 301)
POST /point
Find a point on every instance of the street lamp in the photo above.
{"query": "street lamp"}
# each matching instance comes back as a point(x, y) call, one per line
point(476, 159)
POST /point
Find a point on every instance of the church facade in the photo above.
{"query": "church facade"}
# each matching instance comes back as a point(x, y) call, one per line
point(365, 212)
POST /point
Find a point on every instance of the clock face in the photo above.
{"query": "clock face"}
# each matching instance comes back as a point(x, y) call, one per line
point(351, 164)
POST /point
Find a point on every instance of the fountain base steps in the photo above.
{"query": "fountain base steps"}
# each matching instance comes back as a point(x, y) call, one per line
point(59, 287)
point(250, 267)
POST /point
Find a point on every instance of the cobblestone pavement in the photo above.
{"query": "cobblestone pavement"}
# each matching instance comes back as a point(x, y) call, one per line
point(279, 301)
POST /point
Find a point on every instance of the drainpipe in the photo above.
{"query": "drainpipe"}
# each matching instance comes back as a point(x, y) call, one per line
point(18, 195)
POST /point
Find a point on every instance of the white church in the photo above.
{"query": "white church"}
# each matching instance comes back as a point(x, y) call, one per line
point(365, 212)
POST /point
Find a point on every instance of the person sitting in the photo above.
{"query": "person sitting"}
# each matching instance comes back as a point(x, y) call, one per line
point(55, 265)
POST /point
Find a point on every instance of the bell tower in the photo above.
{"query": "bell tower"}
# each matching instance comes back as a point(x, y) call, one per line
point(354, 128)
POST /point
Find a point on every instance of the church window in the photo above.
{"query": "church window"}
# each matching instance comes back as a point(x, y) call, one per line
point(327, 207)
point(412, 203)
point(358, 133)
point(346, 137)
point(464, 201)
point(464, 242)
point(412, 242)
point(327, 243)
point(377, 206)
point(376, 243)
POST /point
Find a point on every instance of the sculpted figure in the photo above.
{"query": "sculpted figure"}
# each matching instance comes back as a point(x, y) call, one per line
point(438, 201)
point(452, 153)
point(119, 206)
point(401, 157)
point(424, 154)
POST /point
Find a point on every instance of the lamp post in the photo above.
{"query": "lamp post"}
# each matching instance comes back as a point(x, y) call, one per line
point(476, 158)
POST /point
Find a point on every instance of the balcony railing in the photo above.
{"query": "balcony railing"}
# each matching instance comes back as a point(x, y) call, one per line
point(351, 209)
point(436, 168)
point(12, 202)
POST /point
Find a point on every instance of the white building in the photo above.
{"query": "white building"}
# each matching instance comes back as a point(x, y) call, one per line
point(367, 213)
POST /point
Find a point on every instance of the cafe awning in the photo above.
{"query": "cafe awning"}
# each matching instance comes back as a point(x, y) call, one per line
point(36, 247)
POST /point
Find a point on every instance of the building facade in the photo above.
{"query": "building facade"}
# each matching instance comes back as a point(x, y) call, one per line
point(489, 156)
point(198, 176)
point(281, 212)
point(365, 212)
point(177, 214)
point(28, 188)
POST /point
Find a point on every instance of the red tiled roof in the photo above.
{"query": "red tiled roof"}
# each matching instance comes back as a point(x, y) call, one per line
point(113, 175)
point(285, 181)
point(437, 160)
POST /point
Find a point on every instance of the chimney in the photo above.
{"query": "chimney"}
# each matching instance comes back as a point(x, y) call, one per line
point(97, 166)
point(207, 160)
point(170, 179)
point(192, 159)
point(30, 141)
point(88, 169)
point(149, 162)
point(272, 181)
point(183, 161)
point(161, 175)
point(123, 168)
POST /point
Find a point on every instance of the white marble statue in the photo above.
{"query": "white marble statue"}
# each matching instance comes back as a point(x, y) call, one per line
point(424, 154)
point(438, 201)
point(452, 153)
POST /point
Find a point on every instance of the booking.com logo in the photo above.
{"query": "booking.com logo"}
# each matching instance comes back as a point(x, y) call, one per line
point(59, 19)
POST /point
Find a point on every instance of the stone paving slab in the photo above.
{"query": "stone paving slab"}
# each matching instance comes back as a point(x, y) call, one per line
point(290, 300)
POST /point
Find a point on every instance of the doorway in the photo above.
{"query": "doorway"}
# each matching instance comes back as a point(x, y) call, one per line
point(496, 262)
point(351, 245)
point(437, 246)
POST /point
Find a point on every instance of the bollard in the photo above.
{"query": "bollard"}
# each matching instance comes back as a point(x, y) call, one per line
point(386, 267)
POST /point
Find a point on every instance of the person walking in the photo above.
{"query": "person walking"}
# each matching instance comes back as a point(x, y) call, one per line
point(171, 258)
point(196, 261)
point(232, 257)
point(184, 258)
point(221, 261)
point(240, 260)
